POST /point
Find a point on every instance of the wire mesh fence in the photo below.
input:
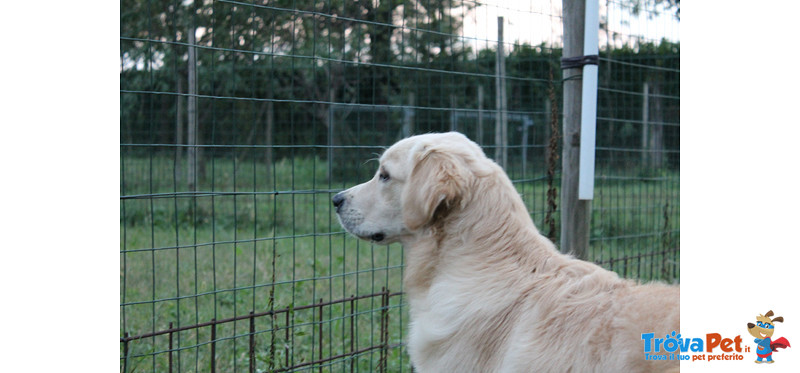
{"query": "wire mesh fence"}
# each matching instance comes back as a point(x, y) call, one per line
point(636, 211)
point(241, 119)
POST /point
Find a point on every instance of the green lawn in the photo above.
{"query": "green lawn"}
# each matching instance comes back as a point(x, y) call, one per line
point(255, 239)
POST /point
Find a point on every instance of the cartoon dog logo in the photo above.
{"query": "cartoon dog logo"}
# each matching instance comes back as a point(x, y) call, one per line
point(763, 330)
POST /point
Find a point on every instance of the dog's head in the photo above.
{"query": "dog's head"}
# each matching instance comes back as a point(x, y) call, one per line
point(420, 180)
point(764, 326)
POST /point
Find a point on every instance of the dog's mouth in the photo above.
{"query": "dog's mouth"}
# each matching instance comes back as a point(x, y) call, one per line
point(351, 220)
point(379, 237)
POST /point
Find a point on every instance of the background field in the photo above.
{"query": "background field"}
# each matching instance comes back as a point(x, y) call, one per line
point(271, 241)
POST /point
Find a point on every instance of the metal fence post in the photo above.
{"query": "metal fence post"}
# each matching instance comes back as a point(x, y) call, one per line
point(480, 115)
point(408, 116)
point(645, 125)
point(192, 113)
point(501, 120)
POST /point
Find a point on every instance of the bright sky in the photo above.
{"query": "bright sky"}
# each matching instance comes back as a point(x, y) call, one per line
point(535, 21)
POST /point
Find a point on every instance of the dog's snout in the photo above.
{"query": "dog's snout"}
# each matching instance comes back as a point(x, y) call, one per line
point(338, 200)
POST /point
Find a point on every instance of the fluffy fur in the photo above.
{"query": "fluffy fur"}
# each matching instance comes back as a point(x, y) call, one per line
point(487, 292)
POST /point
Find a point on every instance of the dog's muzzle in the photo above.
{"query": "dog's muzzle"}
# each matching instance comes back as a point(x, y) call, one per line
point(350, 220)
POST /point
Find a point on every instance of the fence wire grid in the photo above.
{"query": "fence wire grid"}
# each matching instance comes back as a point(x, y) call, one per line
point(241, 119)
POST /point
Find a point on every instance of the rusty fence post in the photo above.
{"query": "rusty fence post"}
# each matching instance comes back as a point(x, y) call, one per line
point(170, 348)
point(125, 352)
point(252, 342)
point(352, 332)
point(320, 334)
point(286, 343)
point(317, 313)
point(384, 329)
point(213, 345)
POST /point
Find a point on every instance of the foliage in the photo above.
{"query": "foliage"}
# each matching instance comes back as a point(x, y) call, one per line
point(317, 71)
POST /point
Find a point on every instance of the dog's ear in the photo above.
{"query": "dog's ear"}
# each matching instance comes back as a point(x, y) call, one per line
point(769, 314)
point(437, 184)
point(778, 319)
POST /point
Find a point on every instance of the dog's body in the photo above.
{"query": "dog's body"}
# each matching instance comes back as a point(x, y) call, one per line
point(487, 292)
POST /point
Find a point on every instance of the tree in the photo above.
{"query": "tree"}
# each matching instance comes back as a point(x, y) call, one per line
point(293, 50)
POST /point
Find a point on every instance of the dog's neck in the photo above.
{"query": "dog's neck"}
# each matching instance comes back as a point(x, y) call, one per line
point(479, 230)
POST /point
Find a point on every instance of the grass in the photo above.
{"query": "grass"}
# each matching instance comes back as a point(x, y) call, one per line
point(636, 227)
point(257, 238)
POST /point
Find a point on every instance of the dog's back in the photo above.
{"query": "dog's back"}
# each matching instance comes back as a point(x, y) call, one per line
point(568, 315)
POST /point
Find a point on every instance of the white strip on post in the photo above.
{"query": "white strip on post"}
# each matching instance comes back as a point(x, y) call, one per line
point(589, 103)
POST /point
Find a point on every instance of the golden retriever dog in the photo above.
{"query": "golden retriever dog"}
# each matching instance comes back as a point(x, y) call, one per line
point(486, 291)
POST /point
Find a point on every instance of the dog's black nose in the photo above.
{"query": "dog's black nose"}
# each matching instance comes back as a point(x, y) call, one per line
point(338, 201)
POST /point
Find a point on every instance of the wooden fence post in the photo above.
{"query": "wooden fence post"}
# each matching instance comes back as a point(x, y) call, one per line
point(575, 213)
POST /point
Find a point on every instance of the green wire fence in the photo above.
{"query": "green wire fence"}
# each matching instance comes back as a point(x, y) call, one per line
point(239, 120)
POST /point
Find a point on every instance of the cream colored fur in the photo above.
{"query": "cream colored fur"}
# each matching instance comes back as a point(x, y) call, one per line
point(487, 292)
